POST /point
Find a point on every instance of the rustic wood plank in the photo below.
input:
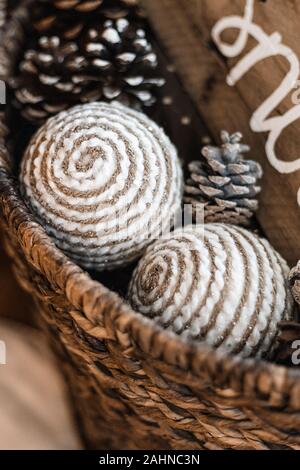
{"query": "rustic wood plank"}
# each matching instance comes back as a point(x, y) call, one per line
point(184, 26)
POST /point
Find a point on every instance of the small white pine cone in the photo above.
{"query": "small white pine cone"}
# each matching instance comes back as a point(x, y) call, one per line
point(97, 177)
point(215, 283)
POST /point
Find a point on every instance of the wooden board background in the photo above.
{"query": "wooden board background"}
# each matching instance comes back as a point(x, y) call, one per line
point(184, 27)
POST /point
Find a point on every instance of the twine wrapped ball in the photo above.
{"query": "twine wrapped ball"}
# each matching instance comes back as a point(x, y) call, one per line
point(97, 177)
point(215, 283)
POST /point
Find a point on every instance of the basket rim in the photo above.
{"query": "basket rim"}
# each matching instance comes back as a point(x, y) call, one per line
point(276, 384)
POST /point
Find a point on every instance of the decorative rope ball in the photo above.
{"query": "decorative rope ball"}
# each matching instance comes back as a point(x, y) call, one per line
point(97, 177)
point(215, 283)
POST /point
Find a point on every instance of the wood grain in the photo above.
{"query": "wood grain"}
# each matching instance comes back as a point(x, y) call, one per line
point(184, 27)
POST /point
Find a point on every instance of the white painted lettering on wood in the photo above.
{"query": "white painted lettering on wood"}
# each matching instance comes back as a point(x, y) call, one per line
point(268, 46)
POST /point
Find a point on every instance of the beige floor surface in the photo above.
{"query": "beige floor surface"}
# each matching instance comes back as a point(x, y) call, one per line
point(34, 410)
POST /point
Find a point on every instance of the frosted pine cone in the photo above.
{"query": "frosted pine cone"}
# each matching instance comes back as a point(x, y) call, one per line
point(224, 182)
point(216, 283)
point(112, 62)
point(102, 179)
point(90, 5)
point(68, 18)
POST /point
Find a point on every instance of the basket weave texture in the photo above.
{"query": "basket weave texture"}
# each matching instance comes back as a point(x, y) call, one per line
point(133, 385)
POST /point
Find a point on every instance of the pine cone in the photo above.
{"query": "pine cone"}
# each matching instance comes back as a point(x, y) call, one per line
point(67, 18)
point(112, 62)
point(89, 5)
point(224, 183)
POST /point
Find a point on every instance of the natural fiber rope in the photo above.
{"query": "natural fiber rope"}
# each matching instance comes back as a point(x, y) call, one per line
point(221, 284)
point(99, 177)
point(134, 385)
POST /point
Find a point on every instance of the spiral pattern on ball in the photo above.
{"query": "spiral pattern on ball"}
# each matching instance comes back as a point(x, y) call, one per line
point(100, 178)
point(215, 283)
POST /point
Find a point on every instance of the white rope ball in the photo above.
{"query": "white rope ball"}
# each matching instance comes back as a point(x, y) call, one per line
point(97, 177)
point(215, 283)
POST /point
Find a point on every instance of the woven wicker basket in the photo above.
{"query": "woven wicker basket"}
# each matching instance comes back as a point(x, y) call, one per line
point(133, 385)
